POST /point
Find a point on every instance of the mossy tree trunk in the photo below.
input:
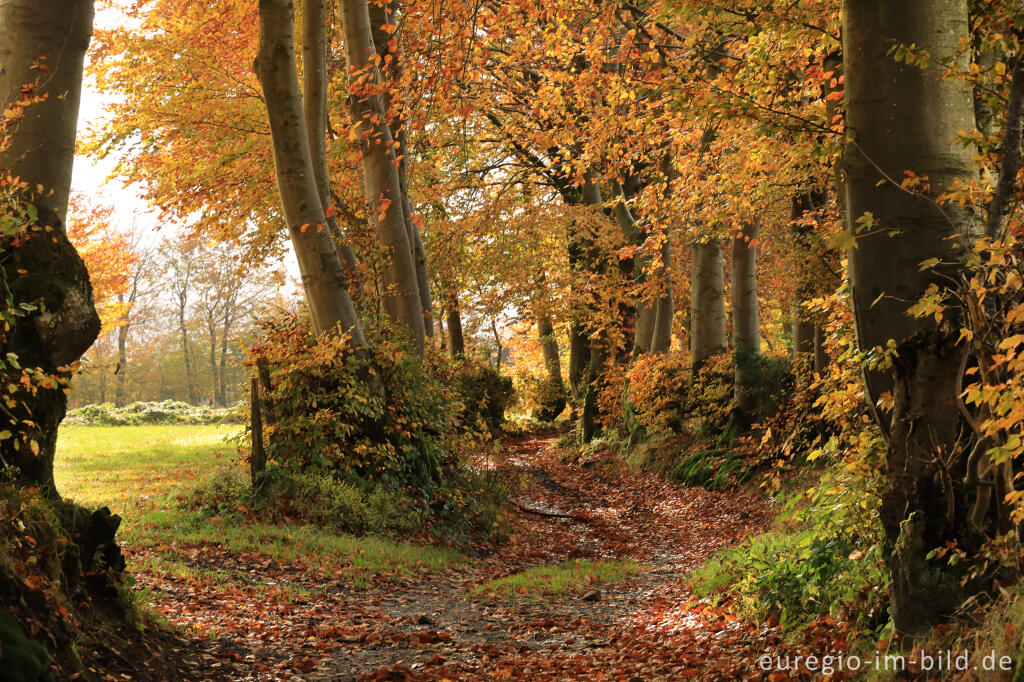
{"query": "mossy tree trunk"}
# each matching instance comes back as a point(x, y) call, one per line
point(44, 269)
point(904, 117)
point(746, 325)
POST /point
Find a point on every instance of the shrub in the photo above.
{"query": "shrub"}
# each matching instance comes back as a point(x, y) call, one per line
point(550, 398)
point(709, 401)
point(373, 436)
point(483, 393)
point(662, 395)
point(657, 391)
point(378, 415)
point(773, 380)
point(825, 559)
point(469, 506)
point(312, 497)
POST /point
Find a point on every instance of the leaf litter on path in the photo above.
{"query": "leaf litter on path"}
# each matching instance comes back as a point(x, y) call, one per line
point(288, 622)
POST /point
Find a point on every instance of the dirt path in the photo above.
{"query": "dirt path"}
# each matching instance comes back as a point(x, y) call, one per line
point(642, 628)
point(636, 629)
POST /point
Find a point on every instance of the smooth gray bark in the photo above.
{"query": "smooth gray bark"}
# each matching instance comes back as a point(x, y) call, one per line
point(746, 325)
point(382, 188)
point(314, 104)
point(707, 302)
point(903, 117)
point(665, 307)
point(900, 117)
point(389, 48)
point(323, 274)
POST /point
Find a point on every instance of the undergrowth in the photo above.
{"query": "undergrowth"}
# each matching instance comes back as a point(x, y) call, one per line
point(154, 412)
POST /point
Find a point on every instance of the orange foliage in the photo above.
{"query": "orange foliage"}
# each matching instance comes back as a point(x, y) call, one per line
point(108, 254)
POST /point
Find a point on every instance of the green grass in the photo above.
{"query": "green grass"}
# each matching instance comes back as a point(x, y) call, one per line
point(140, 471)
point(132, 469)
point(545, 582)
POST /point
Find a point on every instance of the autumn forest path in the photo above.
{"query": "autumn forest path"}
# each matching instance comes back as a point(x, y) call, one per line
point(643, 626)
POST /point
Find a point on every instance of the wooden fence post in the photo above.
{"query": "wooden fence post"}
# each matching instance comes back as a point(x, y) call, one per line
point(258, 462)
point(263, 371)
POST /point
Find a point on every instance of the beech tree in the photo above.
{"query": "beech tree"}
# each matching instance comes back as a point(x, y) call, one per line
point(746, 324)
point(707, 302)
point(904, 116)
point(386, 202)
point(323, 274)
point(42, 49)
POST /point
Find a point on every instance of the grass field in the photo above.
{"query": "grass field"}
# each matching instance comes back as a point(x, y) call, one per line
point(138, 472)
point(132, 469)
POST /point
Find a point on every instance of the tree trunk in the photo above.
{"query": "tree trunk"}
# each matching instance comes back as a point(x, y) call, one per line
point(821, 360)
point(665, 307)
point(323, 275)
point(599, 350)
point(549, 346)
point(381, 183)
point(422, 274)
point(388, 44)
point(222, 381)
point(1010, 153)
point(808, 278)
point(456, 342)
point(643, 336)
point(746, 326)
point(707, 302)
point(903, 117)
point(803, 332)
point(314, 106)
point(645, 312)
point(552, 398)
point(579, 359)
point(213, 361)
point(598, 364)
point(41, 153)
point(121, 393)
point(190, 377)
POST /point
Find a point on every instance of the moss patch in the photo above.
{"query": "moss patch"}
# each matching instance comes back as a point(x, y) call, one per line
point(544, 582)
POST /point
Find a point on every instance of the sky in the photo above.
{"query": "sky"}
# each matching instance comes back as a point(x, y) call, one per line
point(89, 177)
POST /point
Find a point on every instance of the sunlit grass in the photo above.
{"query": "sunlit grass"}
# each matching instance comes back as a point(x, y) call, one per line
point(132, 469)
point(358, 559)
point(568, 577)
point(139, 472)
